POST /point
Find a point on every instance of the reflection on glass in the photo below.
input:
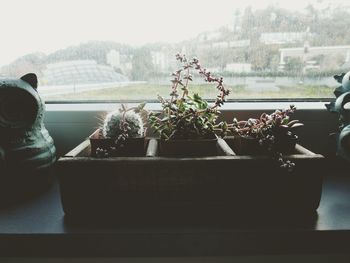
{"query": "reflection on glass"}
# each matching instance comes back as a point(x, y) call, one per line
point(125, 50)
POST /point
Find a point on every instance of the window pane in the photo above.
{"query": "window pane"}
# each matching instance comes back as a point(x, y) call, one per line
point(125, 50)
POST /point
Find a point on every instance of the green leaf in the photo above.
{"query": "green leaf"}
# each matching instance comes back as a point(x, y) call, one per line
point(285, 120)
point(291, 123)
point(297, 125)
point(197, 98)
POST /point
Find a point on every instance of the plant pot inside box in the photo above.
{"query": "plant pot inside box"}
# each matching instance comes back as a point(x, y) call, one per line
point(131, 147)
point(251, 146)
point(188, 148)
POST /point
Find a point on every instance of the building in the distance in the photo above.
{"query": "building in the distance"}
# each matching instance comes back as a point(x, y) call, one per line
point(283, 37)
point(307, 54)
point(240, 43)
point(238, 67)
point(113, 58)
point(160, 60)
point(231, 44)
point(80, 72)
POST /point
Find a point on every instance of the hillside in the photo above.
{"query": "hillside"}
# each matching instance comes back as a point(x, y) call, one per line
point(320, 27)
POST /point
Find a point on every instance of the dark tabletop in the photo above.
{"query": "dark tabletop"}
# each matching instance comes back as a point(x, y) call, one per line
point(39, 228)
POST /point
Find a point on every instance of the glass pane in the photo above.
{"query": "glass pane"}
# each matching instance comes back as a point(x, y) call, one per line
point(125, 50)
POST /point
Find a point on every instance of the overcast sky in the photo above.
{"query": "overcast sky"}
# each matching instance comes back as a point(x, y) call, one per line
point(48, 25)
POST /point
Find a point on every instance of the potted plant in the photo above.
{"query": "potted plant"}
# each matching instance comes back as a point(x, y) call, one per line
point(212, 182)
point(187, 125)
point(272, 134)
point(122, 134)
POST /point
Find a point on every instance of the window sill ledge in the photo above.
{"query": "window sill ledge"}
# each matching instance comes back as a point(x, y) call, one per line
point(239, 106)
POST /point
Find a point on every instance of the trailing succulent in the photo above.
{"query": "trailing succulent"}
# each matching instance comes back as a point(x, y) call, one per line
point(274, 132)
point(120, 125)
point(186, 115)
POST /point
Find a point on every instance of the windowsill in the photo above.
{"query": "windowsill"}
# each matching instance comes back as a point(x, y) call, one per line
point(38, 228)
point(156, 106)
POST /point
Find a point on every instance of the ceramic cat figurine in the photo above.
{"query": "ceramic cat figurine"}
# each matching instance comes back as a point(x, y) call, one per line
point(342, 94)
point(27, 151)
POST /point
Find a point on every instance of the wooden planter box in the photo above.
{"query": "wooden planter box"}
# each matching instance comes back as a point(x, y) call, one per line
point(132, 146)
point(187, 148)
point(196, 188)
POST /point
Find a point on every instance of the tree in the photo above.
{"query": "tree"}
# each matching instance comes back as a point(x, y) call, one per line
point(142, 65)
point(294, 65)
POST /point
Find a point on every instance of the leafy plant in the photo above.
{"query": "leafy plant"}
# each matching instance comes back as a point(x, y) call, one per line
point(187, 116)
point(274, 132)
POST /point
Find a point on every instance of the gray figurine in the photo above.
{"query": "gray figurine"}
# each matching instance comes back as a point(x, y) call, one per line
point(342, 94)
point(27, 151)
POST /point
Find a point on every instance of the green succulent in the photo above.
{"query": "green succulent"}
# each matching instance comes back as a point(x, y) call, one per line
point(112, 125)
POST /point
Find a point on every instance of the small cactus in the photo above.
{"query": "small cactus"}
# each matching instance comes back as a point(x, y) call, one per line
point(112, 126)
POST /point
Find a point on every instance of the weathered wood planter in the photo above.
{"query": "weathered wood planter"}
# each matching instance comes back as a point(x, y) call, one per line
point(204, 188)
point(246, 146)
point(132, 146)
point(188, 148)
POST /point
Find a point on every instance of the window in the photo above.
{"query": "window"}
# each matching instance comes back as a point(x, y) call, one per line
point(125, 50)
